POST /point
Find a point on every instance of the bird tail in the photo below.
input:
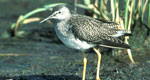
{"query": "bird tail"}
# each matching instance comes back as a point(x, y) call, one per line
point(118, 45)
point(122, 33)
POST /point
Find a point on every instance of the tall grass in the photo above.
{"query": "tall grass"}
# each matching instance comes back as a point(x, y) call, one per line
point(25, 19)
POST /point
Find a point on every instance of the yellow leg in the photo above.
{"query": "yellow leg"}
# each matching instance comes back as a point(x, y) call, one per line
point(84, 66)
point(98, 62)
point(130, 55)
point(129, 51)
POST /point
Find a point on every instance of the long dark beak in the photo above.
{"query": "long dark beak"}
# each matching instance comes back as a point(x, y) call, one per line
point(49, 17)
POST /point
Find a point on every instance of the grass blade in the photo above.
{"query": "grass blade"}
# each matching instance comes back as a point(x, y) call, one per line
point(117, 11)
point(126, 13)
point(87, 2)
point(144, 8)
point(113, 10)
point(149, 15)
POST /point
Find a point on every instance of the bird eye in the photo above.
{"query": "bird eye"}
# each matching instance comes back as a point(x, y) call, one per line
point(59, 12)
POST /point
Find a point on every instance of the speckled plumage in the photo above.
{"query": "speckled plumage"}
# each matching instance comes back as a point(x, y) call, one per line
point(83, 32)
point(95, 31)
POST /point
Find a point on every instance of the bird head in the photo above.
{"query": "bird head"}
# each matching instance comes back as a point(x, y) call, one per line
point(60, 12)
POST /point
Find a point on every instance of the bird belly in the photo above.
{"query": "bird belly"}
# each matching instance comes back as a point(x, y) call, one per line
point(72, 42)
point(68, 38)
point(75, 43)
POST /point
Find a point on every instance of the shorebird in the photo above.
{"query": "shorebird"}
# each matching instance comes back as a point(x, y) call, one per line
point(83, 32)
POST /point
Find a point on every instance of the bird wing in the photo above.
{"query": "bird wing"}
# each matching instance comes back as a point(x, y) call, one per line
point(97, 32)
point(111, 24)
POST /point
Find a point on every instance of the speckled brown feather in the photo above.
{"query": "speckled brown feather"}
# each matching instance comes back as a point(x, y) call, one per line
point(96, 32)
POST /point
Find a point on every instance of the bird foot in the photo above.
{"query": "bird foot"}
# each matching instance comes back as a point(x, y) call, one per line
point(97, 78)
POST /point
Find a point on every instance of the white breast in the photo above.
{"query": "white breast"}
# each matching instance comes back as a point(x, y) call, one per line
point(75, 43)
point(70, 41)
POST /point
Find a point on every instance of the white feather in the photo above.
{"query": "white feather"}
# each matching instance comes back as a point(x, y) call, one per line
point(120, 33)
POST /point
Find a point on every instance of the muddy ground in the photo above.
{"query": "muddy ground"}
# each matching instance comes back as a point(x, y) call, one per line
point(39, 55)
